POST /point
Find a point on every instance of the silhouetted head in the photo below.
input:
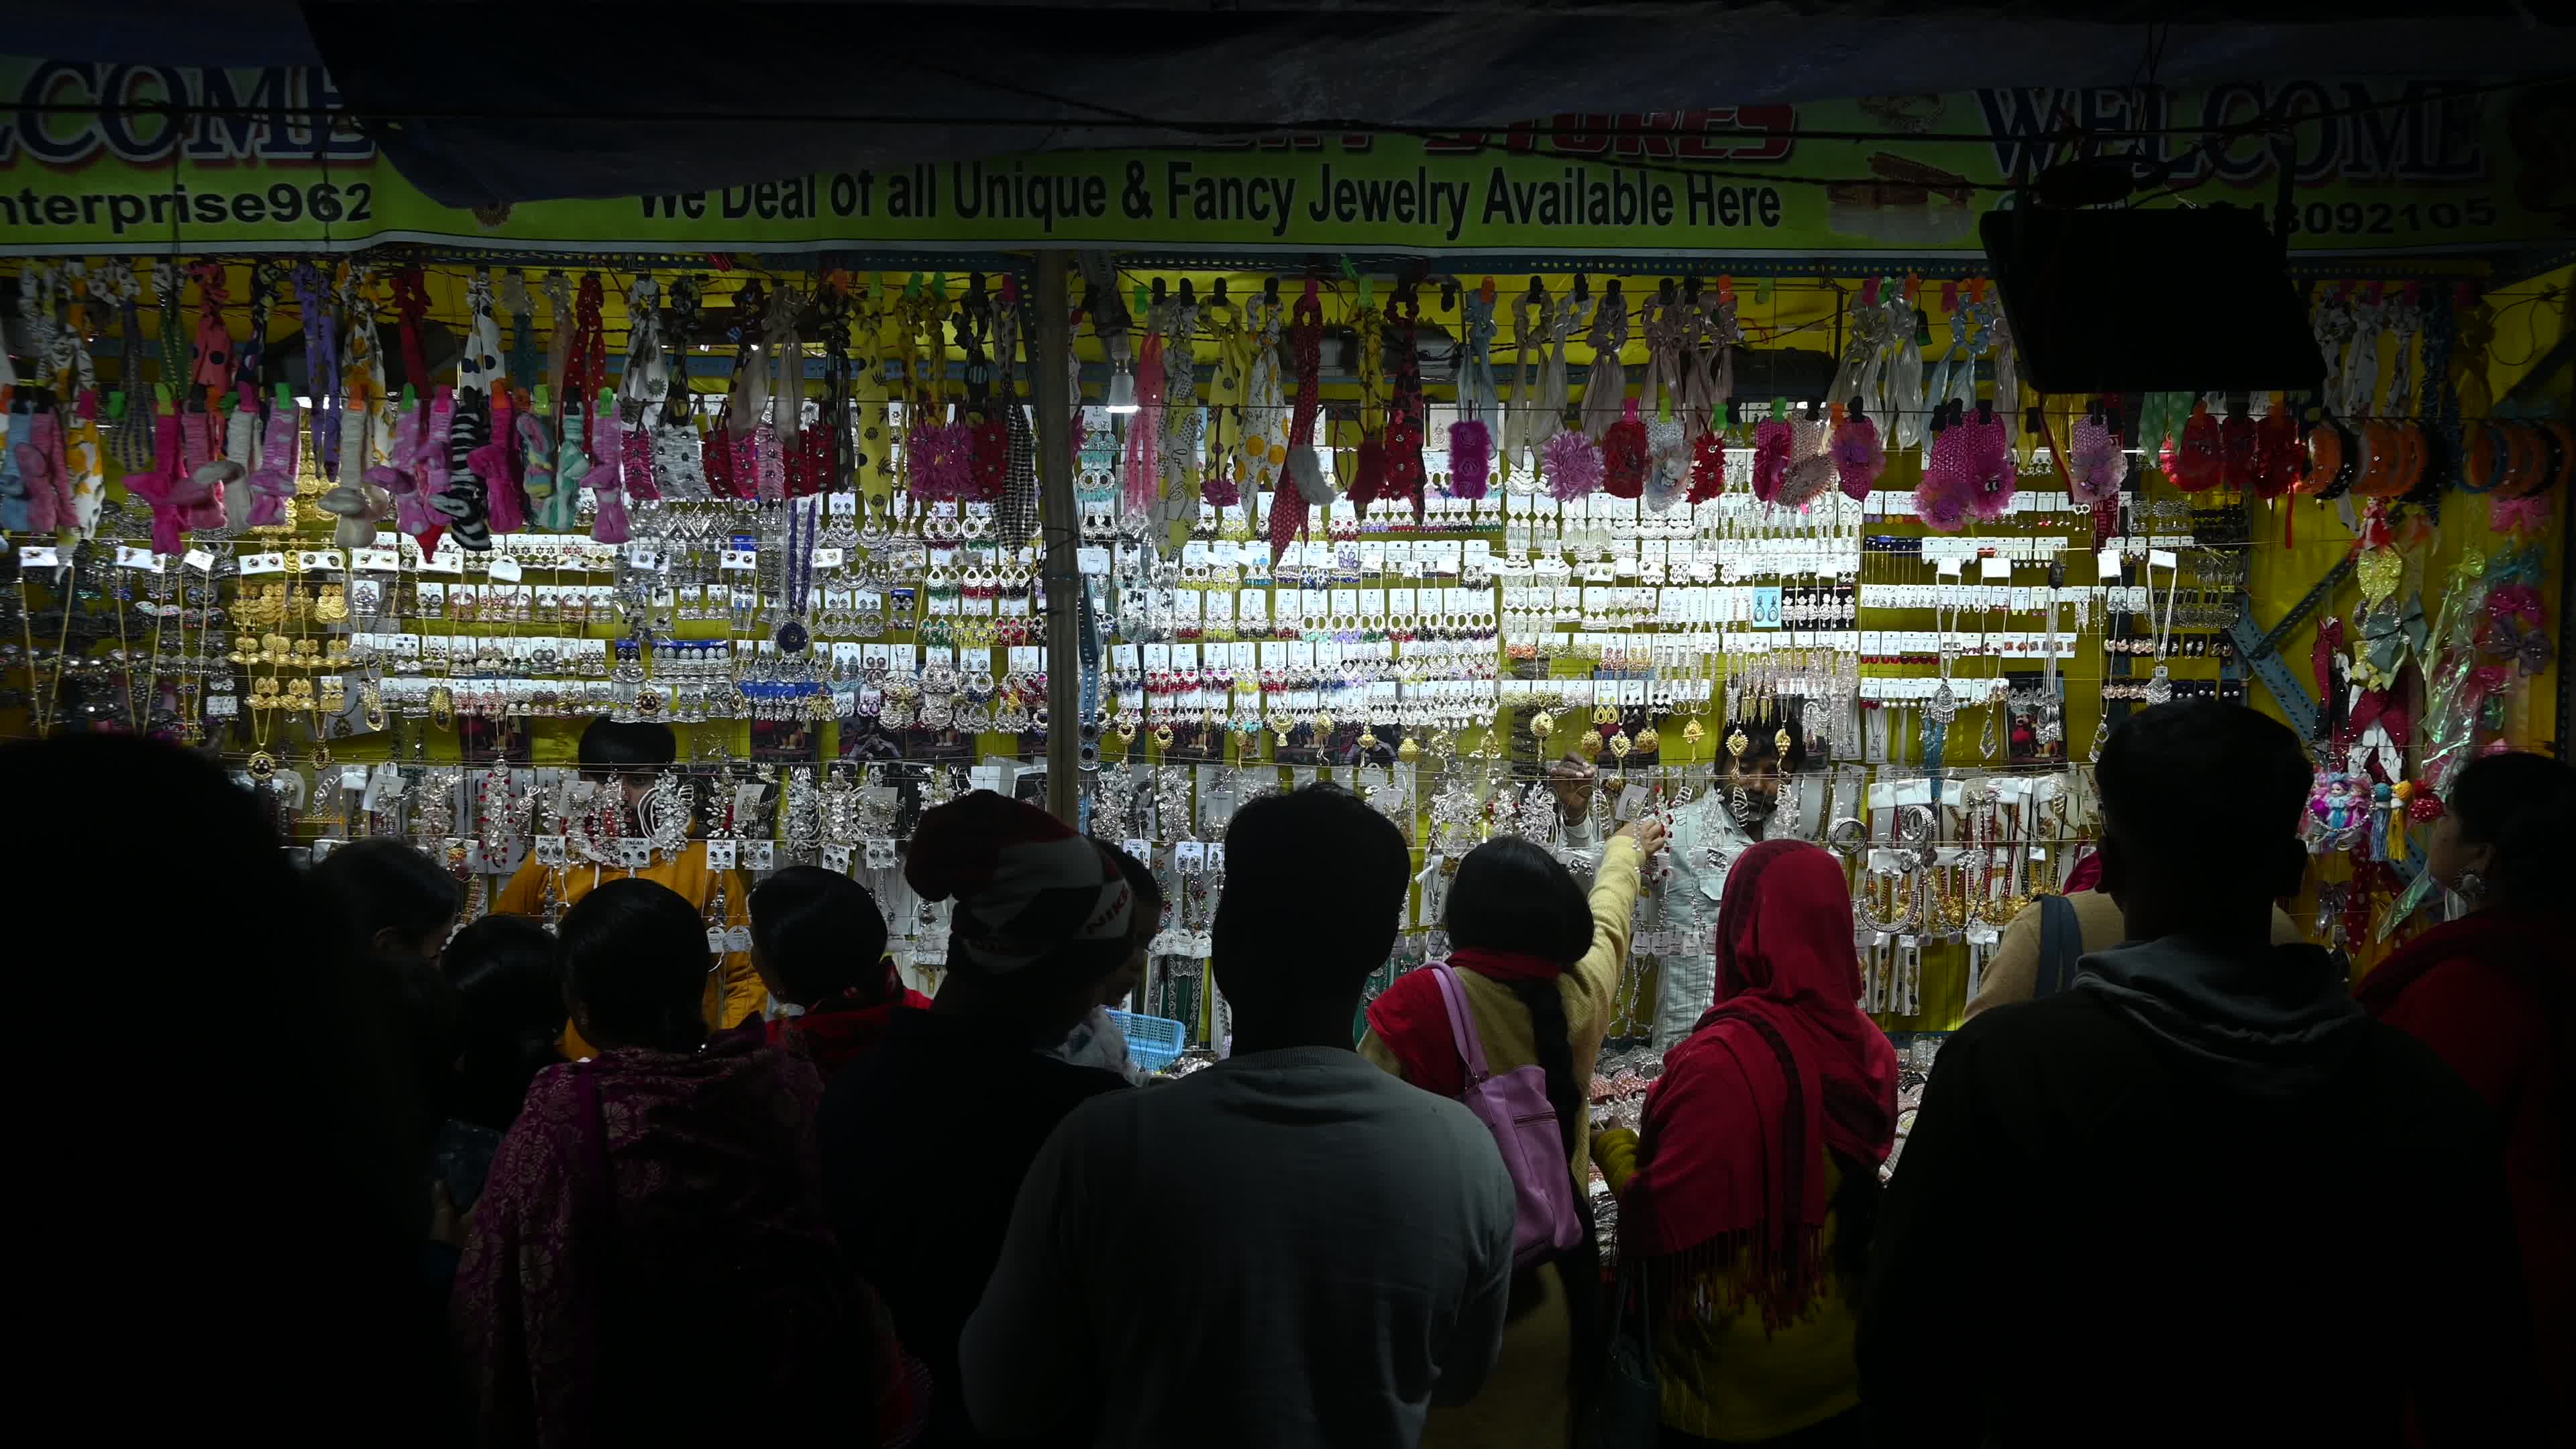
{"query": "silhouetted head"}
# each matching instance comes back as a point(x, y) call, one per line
point(635, 967)
point(1511, 895)
point(508, 975)
point(1315, 883)
point(817, 936)
point(2505, 838)
point(401, 902)
point(2201, 808)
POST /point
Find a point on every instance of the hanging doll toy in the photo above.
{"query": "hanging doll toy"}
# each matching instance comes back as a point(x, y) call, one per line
point(1859, 455)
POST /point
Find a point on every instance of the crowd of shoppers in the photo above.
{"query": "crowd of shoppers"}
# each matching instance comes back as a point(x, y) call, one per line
point(2141, 1203)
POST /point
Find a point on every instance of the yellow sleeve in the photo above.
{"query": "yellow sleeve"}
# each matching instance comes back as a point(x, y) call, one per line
point(521, 896)
point(1374, 1051)
point(1615, 1153)
point(743, 995)
point(1614, 904)
point(2012, 972)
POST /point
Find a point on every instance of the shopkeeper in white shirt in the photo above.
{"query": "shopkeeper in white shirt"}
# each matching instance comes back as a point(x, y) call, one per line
point(1748, 797)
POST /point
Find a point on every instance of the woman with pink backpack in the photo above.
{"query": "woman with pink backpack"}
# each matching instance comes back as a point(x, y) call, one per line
point(1512, 1023)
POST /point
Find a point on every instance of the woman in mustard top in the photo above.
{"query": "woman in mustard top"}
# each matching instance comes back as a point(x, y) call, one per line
point(633, 753)
point(1539, 964)
point(1744, 1209)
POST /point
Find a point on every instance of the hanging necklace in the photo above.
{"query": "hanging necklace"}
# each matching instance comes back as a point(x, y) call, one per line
point(2160, 683)
point(796, 579)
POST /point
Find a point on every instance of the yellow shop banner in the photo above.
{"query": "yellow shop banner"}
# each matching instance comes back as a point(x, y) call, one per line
point(2377, 165)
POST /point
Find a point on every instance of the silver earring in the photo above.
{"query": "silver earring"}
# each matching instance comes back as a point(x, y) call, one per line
point(2472, 886)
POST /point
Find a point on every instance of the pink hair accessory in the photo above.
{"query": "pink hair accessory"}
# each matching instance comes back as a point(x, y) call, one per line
point(1946, 497)
point(1811, 467)
point(1368, 473)
point(42, 469)
point(2528, 514)
point(1770, 458)
point(274, 483)
point(2197, 465)
point(2098, 464)
point(638, 444)
point(158, 484)
point(1859, 455)
point(1707, 467)
point(1142, 459)
point(1623, 455)
point(1572, 463)
point(1992, 478)
point(609, 524)
point(1471, 458)
point(941, 459)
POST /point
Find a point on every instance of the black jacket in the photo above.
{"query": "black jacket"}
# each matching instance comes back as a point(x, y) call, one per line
point(924, 1143)
point(2195, 1200)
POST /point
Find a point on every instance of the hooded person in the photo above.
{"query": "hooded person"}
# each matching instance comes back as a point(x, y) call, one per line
point(2153, 1203)
point(925, 1140)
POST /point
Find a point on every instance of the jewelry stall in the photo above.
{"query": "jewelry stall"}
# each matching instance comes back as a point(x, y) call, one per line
point(1505, 539)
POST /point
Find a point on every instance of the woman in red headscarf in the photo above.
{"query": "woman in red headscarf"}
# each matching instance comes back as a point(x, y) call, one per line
point(1748, 1200)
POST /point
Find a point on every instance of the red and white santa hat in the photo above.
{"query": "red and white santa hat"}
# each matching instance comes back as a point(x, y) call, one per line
point(1024, 883)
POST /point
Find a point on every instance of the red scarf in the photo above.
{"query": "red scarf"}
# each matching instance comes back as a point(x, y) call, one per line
point(832, 1036)
point(1785, 1059)
point(1412, 1022)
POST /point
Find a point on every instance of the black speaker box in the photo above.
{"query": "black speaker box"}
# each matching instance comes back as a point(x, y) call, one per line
point(2190, 299)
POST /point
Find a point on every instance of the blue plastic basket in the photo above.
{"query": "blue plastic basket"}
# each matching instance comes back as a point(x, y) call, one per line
point(1153, 1042)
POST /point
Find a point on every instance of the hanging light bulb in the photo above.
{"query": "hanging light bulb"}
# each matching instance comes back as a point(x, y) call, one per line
point(1122, 388)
